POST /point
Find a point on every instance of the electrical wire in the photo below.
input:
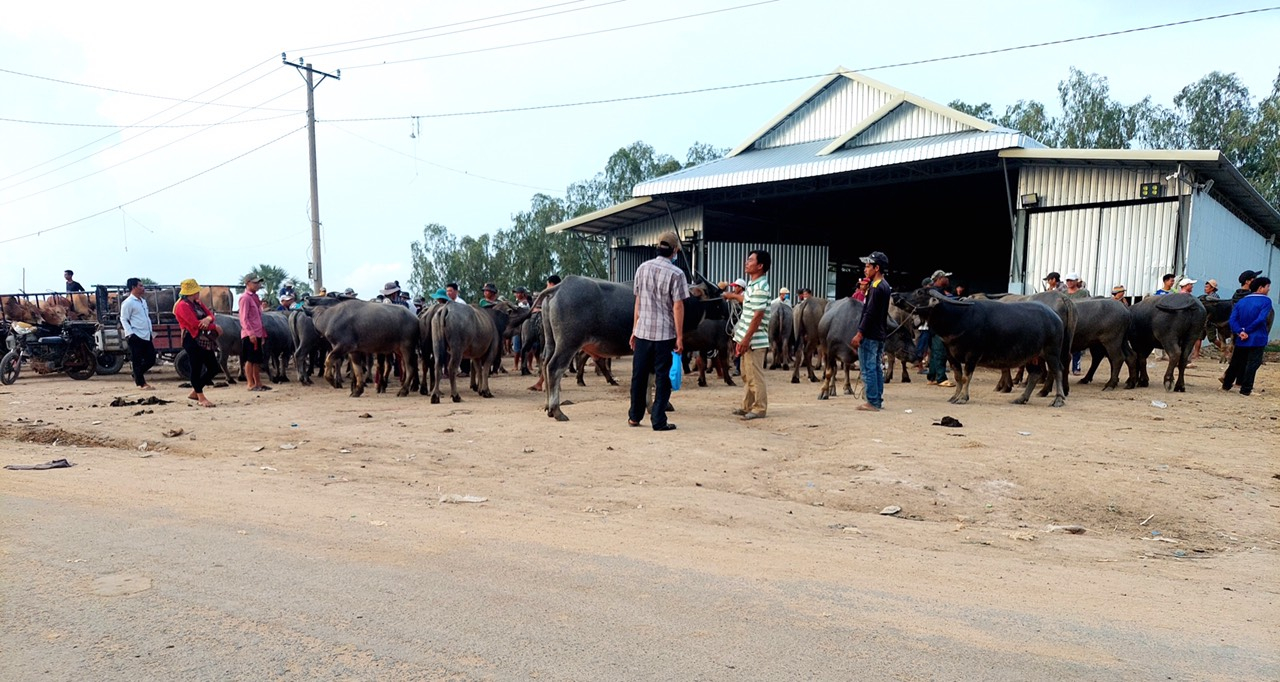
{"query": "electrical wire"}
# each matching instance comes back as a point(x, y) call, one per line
point(774, 81)
point(567, 37)
point(128, 92)
point(144, 120)
point(38, 233)
point(474, 28)
point(137, 156)
point(116, 126)
point(442, 166)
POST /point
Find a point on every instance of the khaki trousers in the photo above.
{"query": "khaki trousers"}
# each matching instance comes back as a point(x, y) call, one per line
point(757, 398)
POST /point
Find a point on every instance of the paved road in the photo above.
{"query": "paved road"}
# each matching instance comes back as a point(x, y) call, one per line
point(153, 595)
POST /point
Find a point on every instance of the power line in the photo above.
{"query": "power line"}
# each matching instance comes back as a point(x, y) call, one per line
point(469, 174)
point(132, 158)
point(775, 81)
point(143, 120)
point(151, 194)
point(567, 37)
point(435, 28)
point(127, 92)
point(116, 126)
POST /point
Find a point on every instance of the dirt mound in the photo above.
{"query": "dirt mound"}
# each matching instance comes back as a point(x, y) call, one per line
point(48, 434)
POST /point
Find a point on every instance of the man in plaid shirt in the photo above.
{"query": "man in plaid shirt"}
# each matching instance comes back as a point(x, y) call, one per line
point(656, 331)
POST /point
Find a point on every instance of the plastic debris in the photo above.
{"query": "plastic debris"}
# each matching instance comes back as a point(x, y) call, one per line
point(268, 468)
point(462, 499)
point(288, 446)
point(1024, 433)
point(260, 448)
point(1159, 403)
point(1074, 530)
point(890, 510)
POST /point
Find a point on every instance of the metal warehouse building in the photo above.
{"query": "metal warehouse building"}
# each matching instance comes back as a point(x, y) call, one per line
point(855, 165)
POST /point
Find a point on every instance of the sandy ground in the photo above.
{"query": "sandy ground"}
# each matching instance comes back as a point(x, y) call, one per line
point(301, 534)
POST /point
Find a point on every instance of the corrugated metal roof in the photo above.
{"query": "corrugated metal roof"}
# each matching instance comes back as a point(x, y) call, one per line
point(802, 160)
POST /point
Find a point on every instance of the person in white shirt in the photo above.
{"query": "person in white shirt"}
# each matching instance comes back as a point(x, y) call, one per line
point(137, 332)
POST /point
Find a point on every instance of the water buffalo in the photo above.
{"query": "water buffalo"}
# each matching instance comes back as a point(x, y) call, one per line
point(1102, 328)
point(310, 346)
point(1173, 323)
point(838, 325)
point(530, 341)
point(712, 341)
point(996, 334)
point(900, 348)
point(229, 344)
point(279, 345)
point(593, 315)
point(808, 339)
point(461, 331)
point(781, 335)
point(1060, 304)
point(356, 329)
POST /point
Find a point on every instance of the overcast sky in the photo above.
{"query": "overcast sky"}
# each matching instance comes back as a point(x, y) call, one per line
point(381, 181)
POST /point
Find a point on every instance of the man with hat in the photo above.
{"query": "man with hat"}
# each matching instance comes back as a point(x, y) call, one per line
point(1076, 290)
point(350, 293)
point(1118, 293)
point(1185, 285)
point(1053, 282)
point(940, 282)
point(391, 293)
point(1249, 326)
point(872, 331)
point(784, 296)
point(252, 334)
point(1211, 290)
point(657, 331)
point(1246, 278)
point(489, 295)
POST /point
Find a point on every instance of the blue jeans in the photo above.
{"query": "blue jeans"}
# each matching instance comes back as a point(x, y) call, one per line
point(870, 357)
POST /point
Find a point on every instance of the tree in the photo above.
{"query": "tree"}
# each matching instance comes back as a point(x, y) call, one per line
point(1090, 118)
point(982, 111)
point(1219, 114)
point(700, 153)
point(148, 282)
point(1264, 169)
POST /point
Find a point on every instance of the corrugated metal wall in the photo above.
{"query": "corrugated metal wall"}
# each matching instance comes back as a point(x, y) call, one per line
point(1068, 185)
point(1129, 245)
point(907, 122)
point(626, 261)
point(1222, 246)
point(794, 265)
point(648, 232)
point(830, 114)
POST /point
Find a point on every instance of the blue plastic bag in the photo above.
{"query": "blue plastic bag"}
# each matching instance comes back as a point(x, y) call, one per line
point(677, 370)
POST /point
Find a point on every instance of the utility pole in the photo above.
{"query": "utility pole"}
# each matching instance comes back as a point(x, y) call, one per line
point(315, 273)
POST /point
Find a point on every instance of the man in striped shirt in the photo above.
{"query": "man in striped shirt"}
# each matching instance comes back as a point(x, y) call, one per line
point(751, 336)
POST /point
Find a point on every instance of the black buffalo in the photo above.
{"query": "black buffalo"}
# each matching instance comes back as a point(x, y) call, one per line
point(1174, 323)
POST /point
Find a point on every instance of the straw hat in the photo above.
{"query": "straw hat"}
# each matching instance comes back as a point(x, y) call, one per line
point(189, 286)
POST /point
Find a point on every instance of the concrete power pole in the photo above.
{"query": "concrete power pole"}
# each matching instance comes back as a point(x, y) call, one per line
point(316, 272)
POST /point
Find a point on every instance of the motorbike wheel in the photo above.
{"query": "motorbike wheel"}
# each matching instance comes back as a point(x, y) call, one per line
point(84, 363)
point(110, 363)
point(9, 367)
point(182, 364)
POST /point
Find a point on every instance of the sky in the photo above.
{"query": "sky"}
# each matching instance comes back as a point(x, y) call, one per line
point(229, 189)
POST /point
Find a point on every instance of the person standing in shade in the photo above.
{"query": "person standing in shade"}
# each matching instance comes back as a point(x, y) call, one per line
point(872, 330)
point(937, 347)
point(1249, 326)
point(136, 321)
point(657, 331)
point(1210, 330)
point(199, 339)
point(72, 285)
point(1076, 290)
point(1246, 278)
point(253, 336)
point(1053, 282)
point(1118, 294)
point(751, 334)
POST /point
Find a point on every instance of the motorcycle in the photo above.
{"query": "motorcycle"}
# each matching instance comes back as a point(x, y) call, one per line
point(47, 348)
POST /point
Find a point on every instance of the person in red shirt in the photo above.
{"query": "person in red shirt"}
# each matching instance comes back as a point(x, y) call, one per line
point(252, 334)
point(199, 339)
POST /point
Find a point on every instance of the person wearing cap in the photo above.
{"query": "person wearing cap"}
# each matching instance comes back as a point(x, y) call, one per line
point(136, 322)
point(489, 294)
point(523, 302)
point(1186, 284)
point(253, 336)
point(72, 284)
point(287, 302)
point(199, 339)
point(350, 293)
point(1246, 278)
point(1118, 294)
point(872, 331)
point(1211, 291)
point(657, 331)
point(860, 294)
point(391, 294)
point(784, 296)
point(1210, 329)
point(751, 334)
point(1249, 325)
point(937, 375)
point(1166, 284)
point(1053, 282)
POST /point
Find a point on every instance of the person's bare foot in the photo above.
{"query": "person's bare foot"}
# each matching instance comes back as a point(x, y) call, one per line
point(146, 387)
point(193, 396)
point(868, 407)
point(204, 402)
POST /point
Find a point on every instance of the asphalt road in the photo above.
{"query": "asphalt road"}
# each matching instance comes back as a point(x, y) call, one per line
point(90, 594)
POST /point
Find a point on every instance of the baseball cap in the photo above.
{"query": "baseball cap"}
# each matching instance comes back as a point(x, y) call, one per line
point(1212, 283)
point(519, 290)
point(254, 278)
point(670, 240)
point(1185, 281)
point(1072, 277)
point(490, 286)
point(1248, 275)
point(740, 283)
point(1053, 275)
point(939, 273)
point(876, 258)
point(784, 290)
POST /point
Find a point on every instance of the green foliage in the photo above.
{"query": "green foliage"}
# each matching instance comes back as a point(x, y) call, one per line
point(982, 111)
point(148, 282)
point(524, 254)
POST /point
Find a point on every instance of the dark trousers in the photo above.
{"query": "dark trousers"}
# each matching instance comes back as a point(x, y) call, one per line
point(204, 364)
point(652, 357)
point(1243, 367)
point(142, 353)
point(937, 359)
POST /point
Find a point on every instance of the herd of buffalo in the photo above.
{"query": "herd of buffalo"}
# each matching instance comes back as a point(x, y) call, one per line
point(584, 318)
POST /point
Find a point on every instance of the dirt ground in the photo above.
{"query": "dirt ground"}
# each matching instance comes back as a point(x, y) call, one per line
point(1179, 503)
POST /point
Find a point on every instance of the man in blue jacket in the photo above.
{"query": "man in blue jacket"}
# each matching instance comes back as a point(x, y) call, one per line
point(1249, 325)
